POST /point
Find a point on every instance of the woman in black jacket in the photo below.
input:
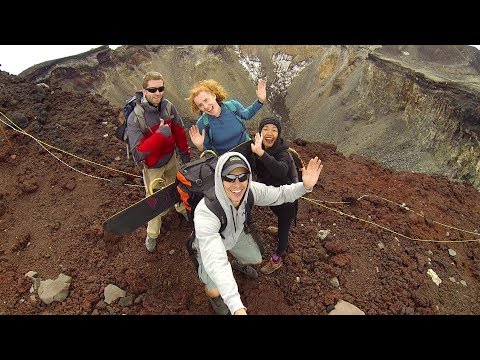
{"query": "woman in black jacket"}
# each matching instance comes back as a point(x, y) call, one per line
point(275, 166)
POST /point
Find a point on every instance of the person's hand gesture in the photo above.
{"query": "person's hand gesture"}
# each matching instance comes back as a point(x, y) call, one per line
point(164, 129)
point(197, 137)
point(160, 125)
point(256, 145)
point(262, 90)
point(311, 173)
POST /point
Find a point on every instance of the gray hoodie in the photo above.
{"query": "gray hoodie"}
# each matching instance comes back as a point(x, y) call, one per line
point(208, 240)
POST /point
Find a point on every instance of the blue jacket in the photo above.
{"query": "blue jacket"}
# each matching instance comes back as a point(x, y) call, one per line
point(227, 131)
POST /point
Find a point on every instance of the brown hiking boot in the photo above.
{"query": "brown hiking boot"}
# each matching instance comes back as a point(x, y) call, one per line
point(271, 266)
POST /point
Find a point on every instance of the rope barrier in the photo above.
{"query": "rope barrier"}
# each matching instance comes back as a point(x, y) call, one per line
point(314, 201)
point(44, 145)
point(319, 203)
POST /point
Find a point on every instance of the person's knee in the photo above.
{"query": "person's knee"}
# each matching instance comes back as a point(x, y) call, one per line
point(253, 258)
point(257, 259)
point(213, 293)
point(256, 256)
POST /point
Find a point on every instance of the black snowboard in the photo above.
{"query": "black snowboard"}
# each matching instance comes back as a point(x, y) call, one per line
point(131, 218)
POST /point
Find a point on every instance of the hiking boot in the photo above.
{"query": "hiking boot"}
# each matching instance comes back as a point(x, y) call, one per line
point(218, 305)
point(150, 243)
point(271, 266)
point(245, 269)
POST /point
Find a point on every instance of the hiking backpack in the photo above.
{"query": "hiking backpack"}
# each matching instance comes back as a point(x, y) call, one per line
point(196, 180)
point(128, 107)
point(233, 109)
point(295, 174)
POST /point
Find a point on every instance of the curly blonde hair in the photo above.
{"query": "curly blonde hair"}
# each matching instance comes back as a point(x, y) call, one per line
point(210, 86)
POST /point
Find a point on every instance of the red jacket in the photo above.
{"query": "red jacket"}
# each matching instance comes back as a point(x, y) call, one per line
point(161, 144)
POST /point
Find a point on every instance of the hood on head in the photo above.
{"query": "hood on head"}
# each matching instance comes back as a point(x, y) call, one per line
point(223, 161)
point(232, 163)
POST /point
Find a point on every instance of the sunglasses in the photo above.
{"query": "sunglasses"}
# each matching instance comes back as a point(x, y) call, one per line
point(231, 178)
point(154, 90)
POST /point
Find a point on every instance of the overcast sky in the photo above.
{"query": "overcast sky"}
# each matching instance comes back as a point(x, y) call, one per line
point(16, 58)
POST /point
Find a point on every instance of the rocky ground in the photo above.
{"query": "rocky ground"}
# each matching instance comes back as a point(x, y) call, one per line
point(389, 232)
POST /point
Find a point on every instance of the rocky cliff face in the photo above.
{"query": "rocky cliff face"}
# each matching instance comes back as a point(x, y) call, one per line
point(435, 97)
point(412, 108)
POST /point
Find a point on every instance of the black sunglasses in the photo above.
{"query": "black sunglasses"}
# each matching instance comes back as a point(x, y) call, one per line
point(154, 90)
point(231, 178)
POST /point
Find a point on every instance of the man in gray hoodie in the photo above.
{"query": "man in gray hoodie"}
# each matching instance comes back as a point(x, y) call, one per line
point(233, 180)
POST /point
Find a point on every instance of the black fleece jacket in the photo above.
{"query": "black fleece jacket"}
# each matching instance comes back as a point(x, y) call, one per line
point(273, 167)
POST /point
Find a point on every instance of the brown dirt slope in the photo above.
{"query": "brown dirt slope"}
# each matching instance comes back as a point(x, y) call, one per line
point(384, 227)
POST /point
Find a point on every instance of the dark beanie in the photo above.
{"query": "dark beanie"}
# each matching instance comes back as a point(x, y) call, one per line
point(273, 121)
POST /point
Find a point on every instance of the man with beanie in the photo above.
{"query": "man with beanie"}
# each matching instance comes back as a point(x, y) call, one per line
point(274, 166)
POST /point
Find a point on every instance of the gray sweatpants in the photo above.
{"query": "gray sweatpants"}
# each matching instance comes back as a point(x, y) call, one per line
point(245, 250)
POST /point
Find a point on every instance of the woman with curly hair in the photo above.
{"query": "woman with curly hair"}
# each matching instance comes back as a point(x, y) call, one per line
point(219, 128)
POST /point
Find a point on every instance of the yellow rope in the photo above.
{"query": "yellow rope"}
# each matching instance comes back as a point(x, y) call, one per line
point(404, 206)
point(43, 144)
point(318, 202)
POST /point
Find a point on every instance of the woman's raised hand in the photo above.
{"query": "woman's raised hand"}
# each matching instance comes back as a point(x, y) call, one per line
point(311, 173)
point(257, 145)
point(262, 90)
point(197, 137)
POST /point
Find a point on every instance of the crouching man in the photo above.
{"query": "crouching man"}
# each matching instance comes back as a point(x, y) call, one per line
point(233, 180)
